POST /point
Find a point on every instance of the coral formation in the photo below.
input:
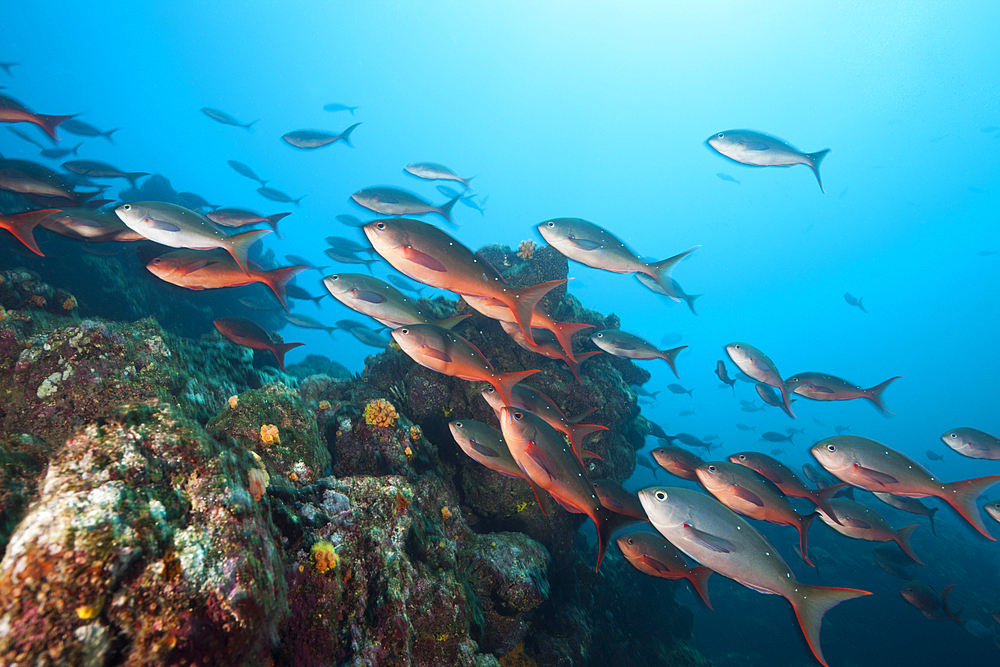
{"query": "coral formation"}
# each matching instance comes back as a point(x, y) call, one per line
point(381, 412)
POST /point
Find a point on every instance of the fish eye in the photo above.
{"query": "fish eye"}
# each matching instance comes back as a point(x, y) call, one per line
point(127, 207)
point(405, 332)
point(380, 225)
point(518, 416)
point(458, 424)
point(600, 335)
point(743, 457)
point(831, 448)
point(550, 224)
point(954, 435)
point(711, 468)
point(660, 495)
point(630, 540)
point(721, 135)
point(335, 277)
point(157, 261)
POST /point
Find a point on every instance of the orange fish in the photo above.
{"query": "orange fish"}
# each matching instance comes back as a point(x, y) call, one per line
point(448, 353)
point(12, 111)
point(198, 270)
point(677, 461)
point(547, 345)
point(790, 484)
point(22, 224)
point(431, 256)
point(652, 554)
point(872, 466)
point(863, 523)
point(246, 333)
point(540, 319)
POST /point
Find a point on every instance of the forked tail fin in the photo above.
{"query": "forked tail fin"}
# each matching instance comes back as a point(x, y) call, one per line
point(239, 245)
point(22, 224)
point(670, 355)
point(805, 520)
point(903, 540)
point(946, 606)
point(810, 605)
point(963, 495)
point(875, 393)
point(279, 350)
point(564, 332)
point(522, 303)
point(50, 123)
point(504, 383)
point(813, 160)
point(698, 576)
point(660, 271)
point(276, 279)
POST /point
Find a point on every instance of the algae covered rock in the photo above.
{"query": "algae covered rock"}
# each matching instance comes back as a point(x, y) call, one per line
point(144, 543)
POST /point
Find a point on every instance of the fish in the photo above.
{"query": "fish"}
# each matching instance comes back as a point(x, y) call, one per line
point(349, 245)
point(777, 452)
point(345, 257)
point(629, 346)
point(678, 462)
point(24, 135)
point(259, 304)
point(6, 68)
point(854, 301)
point(752, 495)
point(279, 196)
point(549, 463)
point(993, 509)
point(894, 570)
point(563, 332)
point(931, 605)
point(30, 178)
point(225, 118)
point(393, 201)
point(95, 169)
point(369, 337)
point(306, 322)
point(178, 227)
point(594, 246)
point(617, 499)
point(818, 476)
point(863, 523)
point(12, 111)
point(753, 407)
point(547, 344)
point(293, 291)
point(690, 441)
point(448, 353)
point(199, 270)
point(872, 466)
point(727, 177)
point(350, 221)
point(248, 334)
point(889, 552)
point(772, 436)
point(841, 429)
point(746, 427)
point(824, 387)
point(911, 505)
point(21, 225)
point(758, 366)
point(312, 139)
point(678, 389)
point(785, 479)
point(656, 430)
point(299, 260)
point(768, 395)
point(57, 153)
point(93, 225)
point(673, 290)
point(712, 534)
point(528, 398)
point(643, 460)
point(383, 302)
point(972, 443)
point(934, 456)
point(83, 129)
point(244, 170)
point(435, 172)
point(720, 370)
point(333, 106)
point(433, 257)
point(757, 149)
point(685, 413)
point(486, 445)
point(641, 391)
point(652, 554)
point(238, 217)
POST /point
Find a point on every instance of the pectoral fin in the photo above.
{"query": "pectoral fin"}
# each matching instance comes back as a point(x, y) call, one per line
point(747, 495)
point(874, 475)
point(708, 541)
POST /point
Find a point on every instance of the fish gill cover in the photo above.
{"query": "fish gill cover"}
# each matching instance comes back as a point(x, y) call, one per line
point(169, 495)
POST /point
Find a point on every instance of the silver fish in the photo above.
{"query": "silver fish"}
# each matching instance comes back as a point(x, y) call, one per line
point(762, 150)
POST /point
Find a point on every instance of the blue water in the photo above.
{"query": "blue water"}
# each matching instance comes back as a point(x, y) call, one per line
point(600, 111)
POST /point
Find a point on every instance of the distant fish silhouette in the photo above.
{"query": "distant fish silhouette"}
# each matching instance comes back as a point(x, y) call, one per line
point(854, 302)
point(339, 107)
point(934, 456)
point(727, 177)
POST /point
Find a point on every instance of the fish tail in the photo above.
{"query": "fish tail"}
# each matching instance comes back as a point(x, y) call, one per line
point(276, 279)
point(607, 522)
point(522, 303)
point(574, 364)
point(22, 224)
point(133, 176)
point(76, 148)
point(250, 125)
point(239, 245)
point(813, 161)
point(946, 606)
point(811, 603)
point(963, 495)
point(445, 209)
point(273, 221)
point(903, 540)
point(822, 499)
point(504, 382)
point(50, 123)
point(698, 576)
point(930, 515)
point(660, 271)
point(787, 407)
point(346, 136)
point(690, 301)
point(107, 135)
point(450, 322)
point(580, 431)
point(861, 305)
point(564, 332)
point(670, 355)
point(875, 393)
point(298, 201)
point(279, 350)
point(803, 523)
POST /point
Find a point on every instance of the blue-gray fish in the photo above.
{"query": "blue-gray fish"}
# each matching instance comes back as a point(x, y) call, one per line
point(224, 118)
point(432, 171)
point(718, 538)
point(57, 153)
point(82, 129)
point(312, 139)
point(95, 169)
point(855, 301)
point(485, 444)
point(757, 365)
point(350, 221)
point(333, 106)
point(244, 170)
point(673, 290)
point(279, 196)
point(627, 345)
point(393, 201)
point(762, 150)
